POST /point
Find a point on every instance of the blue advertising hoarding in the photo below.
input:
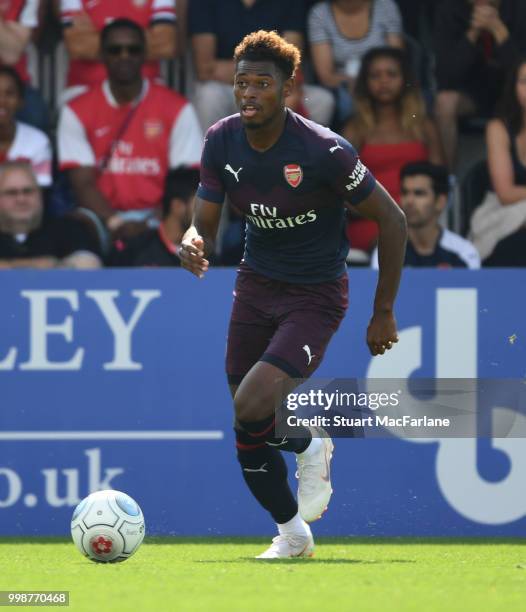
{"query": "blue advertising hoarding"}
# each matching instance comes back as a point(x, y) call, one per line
point(116, 379)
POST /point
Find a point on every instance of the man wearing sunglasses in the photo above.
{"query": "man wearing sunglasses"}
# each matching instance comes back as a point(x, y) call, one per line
point(27, 239)
point(83, 22)
point(119, 140)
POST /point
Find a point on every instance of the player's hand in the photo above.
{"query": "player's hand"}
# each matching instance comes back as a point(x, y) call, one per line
point(381, 333)
point(192, 255)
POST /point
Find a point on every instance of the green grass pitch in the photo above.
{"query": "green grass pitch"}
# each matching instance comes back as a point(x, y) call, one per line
point(180, 574)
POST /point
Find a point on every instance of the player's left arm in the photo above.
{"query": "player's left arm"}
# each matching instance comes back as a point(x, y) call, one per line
point(199, 240)
point(380, 207)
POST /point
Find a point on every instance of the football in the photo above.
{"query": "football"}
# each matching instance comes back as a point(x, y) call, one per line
point(108, 526)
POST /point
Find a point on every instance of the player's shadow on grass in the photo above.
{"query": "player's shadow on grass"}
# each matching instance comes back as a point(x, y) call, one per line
point(303, 560)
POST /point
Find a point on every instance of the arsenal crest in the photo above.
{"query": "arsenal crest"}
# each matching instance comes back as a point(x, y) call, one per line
point(293, 174)
point(152, 129)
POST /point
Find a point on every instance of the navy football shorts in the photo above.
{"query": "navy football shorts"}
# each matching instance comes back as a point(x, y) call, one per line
point(285, 324)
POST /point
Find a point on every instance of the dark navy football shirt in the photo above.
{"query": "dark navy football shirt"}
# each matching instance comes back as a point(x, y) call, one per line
point(292, 195)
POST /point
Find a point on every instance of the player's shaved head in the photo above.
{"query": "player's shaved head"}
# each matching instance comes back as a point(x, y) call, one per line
point(263, 46)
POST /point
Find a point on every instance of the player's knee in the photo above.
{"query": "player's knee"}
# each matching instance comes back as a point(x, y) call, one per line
point(243, 407)
point(248, 406)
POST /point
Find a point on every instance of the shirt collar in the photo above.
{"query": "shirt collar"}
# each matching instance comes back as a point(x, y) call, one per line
point(110, 99)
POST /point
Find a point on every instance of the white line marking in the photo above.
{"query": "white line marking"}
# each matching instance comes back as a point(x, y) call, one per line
point(27, 436)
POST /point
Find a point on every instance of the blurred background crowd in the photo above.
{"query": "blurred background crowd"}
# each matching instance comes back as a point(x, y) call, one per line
point(104, 103)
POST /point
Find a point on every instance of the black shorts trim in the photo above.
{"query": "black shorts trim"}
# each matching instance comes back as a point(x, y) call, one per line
point(282, 365)
point(235, 379)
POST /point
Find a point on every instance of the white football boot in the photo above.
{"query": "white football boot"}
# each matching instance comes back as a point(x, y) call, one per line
point(314, 476)
point(290, 546)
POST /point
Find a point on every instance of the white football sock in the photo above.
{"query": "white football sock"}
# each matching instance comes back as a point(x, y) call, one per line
point(314, 447)
point(296, 526)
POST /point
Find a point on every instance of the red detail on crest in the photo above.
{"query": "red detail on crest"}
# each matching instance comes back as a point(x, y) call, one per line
point(101, 545)
point(293, 174)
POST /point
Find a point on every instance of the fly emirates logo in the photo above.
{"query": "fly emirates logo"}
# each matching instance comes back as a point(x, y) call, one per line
point(266, 217)
point(125, 162)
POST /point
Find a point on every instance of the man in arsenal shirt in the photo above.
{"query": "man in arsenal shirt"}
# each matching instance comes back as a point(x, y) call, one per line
point(292, 179)
point(83, 22)
point(118, 140)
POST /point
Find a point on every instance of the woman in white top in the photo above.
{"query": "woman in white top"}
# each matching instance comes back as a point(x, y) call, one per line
point(340, 34)
point(506, 148)
point(19, 141)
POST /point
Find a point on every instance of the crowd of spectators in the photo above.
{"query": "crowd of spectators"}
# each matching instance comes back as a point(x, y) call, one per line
point(103, 172)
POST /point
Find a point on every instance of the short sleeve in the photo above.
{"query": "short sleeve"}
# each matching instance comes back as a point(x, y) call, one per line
point(163, 11)
point(33, 145)
point(471, 257)
point(317, 24)
point(211, 186)
point(69, 9)
point(74, 149)
point(29, 14)
point(374, 259)
point(185, 139)
point(346, 173)
point(391, 18)
point(42, 161)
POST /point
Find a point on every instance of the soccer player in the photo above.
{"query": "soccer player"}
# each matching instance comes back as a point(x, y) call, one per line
point(291, 178)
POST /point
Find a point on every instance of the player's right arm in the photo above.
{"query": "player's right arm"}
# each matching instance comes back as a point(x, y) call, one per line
point(199, 240)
